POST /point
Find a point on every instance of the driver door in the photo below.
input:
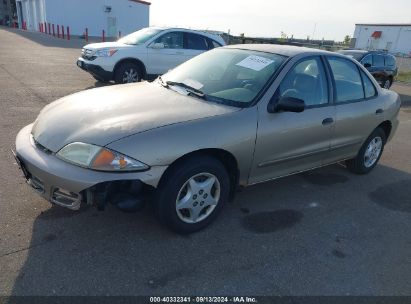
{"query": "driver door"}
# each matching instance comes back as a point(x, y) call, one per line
point(290, 142)
point(163, 59)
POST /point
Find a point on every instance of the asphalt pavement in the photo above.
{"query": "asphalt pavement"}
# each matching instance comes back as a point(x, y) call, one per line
point(324, 232)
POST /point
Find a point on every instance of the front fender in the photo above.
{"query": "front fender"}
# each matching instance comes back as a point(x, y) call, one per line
point(233, 132)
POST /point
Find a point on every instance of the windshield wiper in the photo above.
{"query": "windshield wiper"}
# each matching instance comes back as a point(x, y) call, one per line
point(188, 88)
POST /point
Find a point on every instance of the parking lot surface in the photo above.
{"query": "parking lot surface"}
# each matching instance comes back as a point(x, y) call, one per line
point(324, 232)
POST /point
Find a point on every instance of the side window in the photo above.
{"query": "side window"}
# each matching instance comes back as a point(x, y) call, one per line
point(172, 40)
point(196, 42)
point(378, 60)
point(306, 81)
point(369, 88)
point(390, 61)
point(347, 79)
point(367, 61)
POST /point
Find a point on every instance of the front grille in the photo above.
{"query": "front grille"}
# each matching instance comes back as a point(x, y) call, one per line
point(87, 54)
point(66, 199)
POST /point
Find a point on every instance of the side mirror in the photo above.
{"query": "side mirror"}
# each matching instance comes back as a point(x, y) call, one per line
point(367, 65)
point(158, 45)
point(286, 104)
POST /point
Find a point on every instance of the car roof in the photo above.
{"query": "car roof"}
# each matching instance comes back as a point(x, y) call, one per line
point(207, 34)
point(285, 50)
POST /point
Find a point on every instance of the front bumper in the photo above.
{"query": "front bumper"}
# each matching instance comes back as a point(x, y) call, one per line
point(65, 184)
point(95, 70)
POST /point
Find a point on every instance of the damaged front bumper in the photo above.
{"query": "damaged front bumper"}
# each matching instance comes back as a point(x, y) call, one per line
point(69, 186)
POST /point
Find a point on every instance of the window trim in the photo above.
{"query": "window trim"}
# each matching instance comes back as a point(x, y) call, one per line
point(329, 92)
point(359, 68)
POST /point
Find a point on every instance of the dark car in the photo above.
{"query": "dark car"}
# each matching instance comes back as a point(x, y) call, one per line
point(381, 65)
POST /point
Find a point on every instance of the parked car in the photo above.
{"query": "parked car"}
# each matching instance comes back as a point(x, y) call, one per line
point(381, 65)
point(231, 117)
point(145, 54)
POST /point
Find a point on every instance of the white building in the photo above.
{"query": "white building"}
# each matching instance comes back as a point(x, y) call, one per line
point(395, 38)
point(112, 16)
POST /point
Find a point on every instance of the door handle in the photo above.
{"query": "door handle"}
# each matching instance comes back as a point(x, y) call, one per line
point(328, 121)
point(379, 111)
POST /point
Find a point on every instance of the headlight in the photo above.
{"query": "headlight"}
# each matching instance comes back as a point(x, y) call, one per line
point(99, 158)
point(105, 52)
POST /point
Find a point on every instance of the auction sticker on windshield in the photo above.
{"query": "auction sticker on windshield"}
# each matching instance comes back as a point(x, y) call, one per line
point(255, 63)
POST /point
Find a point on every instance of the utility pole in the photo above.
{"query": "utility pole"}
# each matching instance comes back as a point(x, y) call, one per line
point(315, 28)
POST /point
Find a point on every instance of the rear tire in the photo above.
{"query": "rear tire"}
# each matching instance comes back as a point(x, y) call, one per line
point(369, 154)
point(192, 194)
point(128, 72)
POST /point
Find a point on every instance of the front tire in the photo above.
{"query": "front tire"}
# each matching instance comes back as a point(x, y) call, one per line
point(192, 194)
point(128, 72)
point(369, 154)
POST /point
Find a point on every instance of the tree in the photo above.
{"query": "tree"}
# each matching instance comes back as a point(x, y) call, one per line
point(347, 40)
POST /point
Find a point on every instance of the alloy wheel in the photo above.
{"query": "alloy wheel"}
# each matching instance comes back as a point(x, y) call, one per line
point(130, 75)
point(373, 151)
point(198, 197)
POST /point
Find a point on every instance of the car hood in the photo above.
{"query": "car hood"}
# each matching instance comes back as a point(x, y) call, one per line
point(105, 45)
point(101, 116)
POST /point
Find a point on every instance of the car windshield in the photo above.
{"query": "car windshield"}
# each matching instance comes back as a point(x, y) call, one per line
point(140, 36)
point(230, 76)
point(355, 55)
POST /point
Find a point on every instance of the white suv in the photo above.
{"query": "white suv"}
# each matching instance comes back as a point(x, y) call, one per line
point(145, 54)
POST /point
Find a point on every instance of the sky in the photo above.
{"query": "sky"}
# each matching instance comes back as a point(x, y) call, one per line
point(328, 19)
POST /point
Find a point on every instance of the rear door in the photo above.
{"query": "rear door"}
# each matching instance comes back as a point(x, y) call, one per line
point(358, 111)
point(291, 142)
point(164, 59)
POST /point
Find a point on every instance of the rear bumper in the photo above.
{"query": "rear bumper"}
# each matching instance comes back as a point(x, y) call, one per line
point(58, 181)
point(95, 70)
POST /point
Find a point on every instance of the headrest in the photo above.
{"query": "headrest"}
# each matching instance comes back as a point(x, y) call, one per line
point(304, 82)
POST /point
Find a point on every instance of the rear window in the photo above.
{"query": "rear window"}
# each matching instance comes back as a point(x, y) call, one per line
point(390, 61)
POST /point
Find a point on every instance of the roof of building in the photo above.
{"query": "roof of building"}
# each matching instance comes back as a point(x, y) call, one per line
point(141, 2)
point(286, 50)
point(384, 24)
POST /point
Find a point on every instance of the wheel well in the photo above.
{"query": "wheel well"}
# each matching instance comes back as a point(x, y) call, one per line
point(386, 126)
point(226, 158)
point(132, 60)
